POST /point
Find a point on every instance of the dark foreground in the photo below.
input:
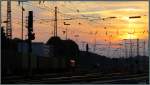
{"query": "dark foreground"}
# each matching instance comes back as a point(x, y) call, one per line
point(93, 78)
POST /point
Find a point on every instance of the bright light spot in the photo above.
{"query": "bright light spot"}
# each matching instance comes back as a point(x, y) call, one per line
point(129, 36)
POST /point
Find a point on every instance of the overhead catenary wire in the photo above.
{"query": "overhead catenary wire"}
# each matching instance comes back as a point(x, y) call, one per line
point(75, 16)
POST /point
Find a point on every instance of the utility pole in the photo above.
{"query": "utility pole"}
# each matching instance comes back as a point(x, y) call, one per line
point(95, 41)
point(87, 47)
point(55, 23)
point(31, 36)
point(126, 52)
point(109, 45)
point(66, 30)
point(144, 50)
point(22, 20)
point(137, 47)
point(0, 21)
point(8, 24)
point(149, 42)
point(22, 28)
point(0, 14)
point(120, 50)
point(130, 47)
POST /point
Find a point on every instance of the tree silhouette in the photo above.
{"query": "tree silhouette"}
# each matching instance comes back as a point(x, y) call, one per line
point(66, 49)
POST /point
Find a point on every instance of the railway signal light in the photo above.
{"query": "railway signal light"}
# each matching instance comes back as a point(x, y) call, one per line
point(30, 21)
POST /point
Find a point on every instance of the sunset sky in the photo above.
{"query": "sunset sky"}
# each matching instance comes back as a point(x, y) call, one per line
point(103, 22)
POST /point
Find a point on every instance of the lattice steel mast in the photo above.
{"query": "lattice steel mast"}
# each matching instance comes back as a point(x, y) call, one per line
point(8, 24)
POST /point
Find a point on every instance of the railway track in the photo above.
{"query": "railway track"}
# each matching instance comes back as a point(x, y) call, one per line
point(131, 80)
point(85, 78)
